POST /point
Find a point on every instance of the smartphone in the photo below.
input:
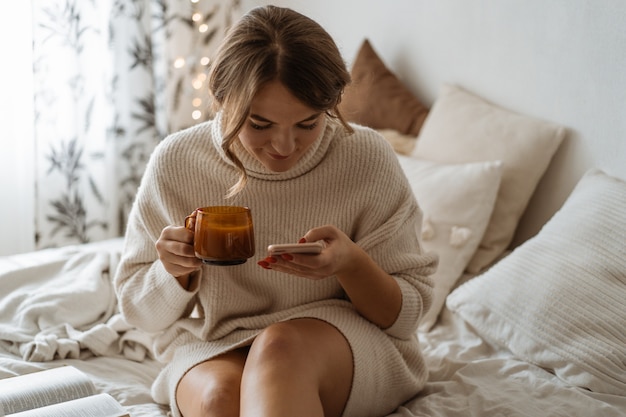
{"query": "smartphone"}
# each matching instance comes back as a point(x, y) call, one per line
point(308, 247)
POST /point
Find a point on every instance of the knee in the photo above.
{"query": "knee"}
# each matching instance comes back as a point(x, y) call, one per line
point(215, 397)
point(281, 343)
point(219, 399)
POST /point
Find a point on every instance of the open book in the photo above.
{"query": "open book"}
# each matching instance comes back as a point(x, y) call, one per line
point(58, 392)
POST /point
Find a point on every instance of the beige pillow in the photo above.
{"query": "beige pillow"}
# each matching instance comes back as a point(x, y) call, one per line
point(462, 127)
point(559, 299)
point(400, 142)
point(378, 99)
point(456, 201)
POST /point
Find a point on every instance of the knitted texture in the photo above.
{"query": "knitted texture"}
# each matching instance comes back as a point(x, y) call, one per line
point(351, 181)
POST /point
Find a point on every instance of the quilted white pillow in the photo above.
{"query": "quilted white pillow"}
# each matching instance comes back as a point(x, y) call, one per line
point(462, 127)
point(457, 201)
point(559, 299)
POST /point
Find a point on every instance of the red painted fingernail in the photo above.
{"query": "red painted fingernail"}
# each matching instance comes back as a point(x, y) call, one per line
point(287, 257)
point(302, 240)
point(271, 259)
point(264, 264)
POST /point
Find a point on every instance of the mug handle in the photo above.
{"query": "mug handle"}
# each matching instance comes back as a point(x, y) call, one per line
point(190, 221)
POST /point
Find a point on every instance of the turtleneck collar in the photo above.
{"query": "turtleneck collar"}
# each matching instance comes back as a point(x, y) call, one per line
point(311, 158)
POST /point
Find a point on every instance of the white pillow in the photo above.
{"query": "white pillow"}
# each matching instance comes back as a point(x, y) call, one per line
point(462, 127)
point(457, 201)
point(559, 299)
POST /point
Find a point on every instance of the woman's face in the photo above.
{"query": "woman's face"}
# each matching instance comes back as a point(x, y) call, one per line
point(280, 128)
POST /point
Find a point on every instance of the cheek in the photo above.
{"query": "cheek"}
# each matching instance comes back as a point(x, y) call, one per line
point(252, 138)
point(308, 137)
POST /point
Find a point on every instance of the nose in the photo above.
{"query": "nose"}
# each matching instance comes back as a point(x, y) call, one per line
point(284, 142)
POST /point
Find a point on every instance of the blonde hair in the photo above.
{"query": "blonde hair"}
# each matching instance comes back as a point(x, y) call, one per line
point(272, 43)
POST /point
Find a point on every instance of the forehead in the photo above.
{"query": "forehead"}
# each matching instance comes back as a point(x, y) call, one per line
point(276, 103)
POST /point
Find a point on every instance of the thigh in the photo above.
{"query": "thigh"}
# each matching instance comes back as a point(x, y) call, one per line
point(307, 357)
point(334, 357)
point(212, 388)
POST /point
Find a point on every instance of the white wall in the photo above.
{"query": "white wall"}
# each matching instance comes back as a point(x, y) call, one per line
point(560, 60)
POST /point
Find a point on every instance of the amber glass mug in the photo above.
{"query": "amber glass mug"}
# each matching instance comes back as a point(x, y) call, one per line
point(223, 235)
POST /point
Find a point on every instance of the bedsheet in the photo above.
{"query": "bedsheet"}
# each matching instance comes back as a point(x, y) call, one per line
point(57, 307)
point(469, 377)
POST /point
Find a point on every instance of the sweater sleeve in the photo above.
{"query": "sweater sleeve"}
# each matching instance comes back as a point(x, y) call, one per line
point(390, 237)
point(397, 251)
point(149, 297)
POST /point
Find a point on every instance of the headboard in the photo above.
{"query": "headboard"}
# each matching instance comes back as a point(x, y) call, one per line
point(559, 61)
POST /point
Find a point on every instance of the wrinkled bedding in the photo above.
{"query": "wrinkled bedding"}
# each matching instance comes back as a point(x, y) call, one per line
point(57, 307)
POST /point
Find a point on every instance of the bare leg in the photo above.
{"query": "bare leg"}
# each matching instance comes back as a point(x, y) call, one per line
point(298, 368)
point(211, 388)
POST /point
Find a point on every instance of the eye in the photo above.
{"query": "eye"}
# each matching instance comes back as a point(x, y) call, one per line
point(256, 126)
point(308, 127)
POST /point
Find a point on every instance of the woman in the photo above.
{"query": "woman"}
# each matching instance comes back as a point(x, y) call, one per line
point(297, 335)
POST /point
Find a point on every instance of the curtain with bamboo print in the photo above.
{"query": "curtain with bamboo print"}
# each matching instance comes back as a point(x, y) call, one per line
point(111, 79)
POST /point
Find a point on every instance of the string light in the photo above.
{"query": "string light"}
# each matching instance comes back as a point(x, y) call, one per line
point(197, 66)
point(197, 83)
point(179, 62)
point(200, 67)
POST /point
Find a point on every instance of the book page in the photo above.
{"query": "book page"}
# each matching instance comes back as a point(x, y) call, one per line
point(42, 388)
point(99, 405)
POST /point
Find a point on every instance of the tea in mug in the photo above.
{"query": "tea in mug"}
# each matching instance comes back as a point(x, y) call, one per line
point(223, 235)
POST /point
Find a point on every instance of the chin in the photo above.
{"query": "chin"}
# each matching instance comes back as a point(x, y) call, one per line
point(274, 168)
point(278, 166)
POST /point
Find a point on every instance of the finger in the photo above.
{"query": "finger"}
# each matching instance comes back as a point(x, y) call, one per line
point(177, 233)
point(308, 274)
point(180, 265)
point(325, 233)
point(170, 250)
point(185, 259)
point(190, 220)
point(182, 249)
point(304, 265)
point(294, 268)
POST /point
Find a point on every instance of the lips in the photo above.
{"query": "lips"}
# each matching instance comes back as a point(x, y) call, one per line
point(278, 157)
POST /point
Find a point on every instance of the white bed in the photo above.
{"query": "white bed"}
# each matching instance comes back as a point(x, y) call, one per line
point(58, 308)
point(518, 327)
point(469, 377)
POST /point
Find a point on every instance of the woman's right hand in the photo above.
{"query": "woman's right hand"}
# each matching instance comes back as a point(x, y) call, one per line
point(175, 249)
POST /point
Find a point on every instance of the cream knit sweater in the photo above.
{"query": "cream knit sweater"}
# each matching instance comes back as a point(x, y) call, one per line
point(351, 181)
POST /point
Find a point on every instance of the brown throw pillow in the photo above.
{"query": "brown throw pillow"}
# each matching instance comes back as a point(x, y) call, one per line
point(378, 99)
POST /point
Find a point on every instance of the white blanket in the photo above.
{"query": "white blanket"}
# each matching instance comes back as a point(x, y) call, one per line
point(63, 306)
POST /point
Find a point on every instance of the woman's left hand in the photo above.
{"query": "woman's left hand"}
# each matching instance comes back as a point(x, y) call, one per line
point(334, 259)
point(374, 293)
